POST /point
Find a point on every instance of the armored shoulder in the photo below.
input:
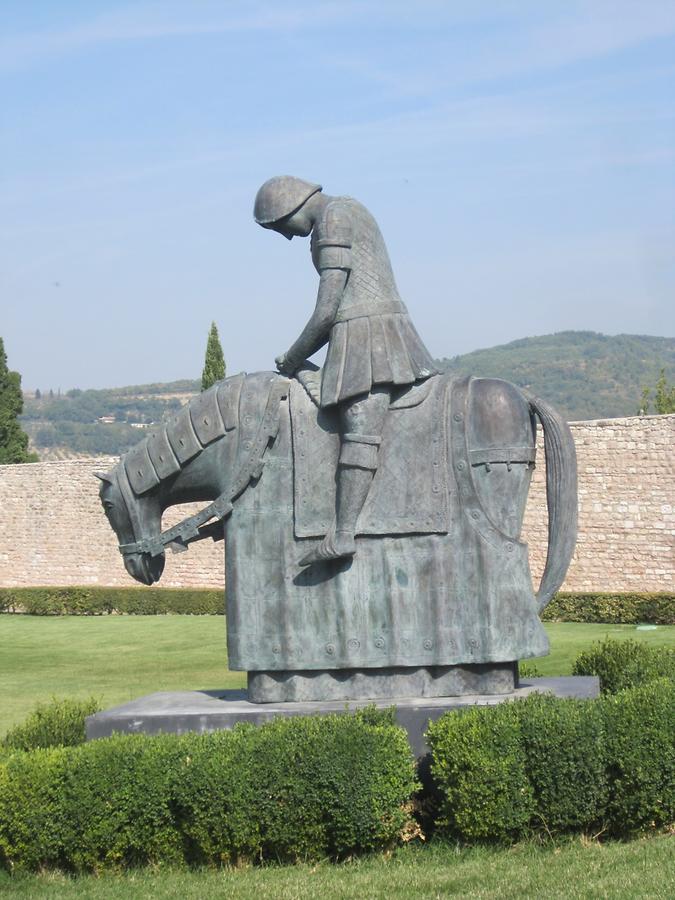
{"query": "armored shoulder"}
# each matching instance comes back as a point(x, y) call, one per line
point(333, 237)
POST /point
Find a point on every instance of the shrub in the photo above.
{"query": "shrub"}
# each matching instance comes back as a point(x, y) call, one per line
point(623, 664)
point(563, 743)
point(557, 765)
point(8, 602)
point(118, 804)
point(640, 751)
point(101, 805)
point(612, 609)
point(297, 788)
point(99, 601)
point(479, 768)
point(32, 811)
point(59, 723)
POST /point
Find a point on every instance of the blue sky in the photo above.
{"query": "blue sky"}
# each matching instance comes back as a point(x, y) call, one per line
point(519, 156)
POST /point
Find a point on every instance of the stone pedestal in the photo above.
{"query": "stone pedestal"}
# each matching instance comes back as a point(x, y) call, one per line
point(392, 683)
point(181, 711)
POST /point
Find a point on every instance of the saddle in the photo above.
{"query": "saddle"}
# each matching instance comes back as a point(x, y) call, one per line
point(409, 493)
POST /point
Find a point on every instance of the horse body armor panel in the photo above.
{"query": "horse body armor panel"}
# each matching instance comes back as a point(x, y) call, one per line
point(409, 493)
point(459, 595)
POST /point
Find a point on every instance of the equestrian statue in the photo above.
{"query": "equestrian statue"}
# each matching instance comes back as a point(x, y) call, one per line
point(371, 509)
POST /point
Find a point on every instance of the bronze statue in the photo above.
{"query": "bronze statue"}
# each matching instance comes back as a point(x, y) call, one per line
point(373, 347)
point(426, 474)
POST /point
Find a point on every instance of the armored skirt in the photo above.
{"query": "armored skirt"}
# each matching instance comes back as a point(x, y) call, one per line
point(370, 350)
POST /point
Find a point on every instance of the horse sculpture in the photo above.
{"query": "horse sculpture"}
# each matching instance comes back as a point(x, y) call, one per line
point(439, 593)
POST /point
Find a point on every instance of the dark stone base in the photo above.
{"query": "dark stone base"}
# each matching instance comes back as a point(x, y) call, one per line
point(201, 711)
point(381, 684)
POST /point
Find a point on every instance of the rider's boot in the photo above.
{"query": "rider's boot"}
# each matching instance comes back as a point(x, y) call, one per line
point(356, 468)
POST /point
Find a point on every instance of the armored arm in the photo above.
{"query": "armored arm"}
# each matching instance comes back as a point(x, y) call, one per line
point(315, 333)
point(331, 252)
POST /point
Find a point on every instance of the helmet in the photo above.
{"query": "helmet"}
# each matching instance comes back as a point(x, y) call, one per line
point(280, 197)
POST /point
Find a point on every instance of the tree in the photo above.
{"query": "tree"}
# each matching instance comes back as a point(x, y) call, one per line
point(664, 397)
point(13, 439)
point(214, 362)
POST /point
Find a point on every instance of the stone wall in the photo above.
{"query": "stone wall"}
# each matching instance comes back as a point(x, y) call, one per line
point(52, 528)
point(626, 517)
point(53, 532)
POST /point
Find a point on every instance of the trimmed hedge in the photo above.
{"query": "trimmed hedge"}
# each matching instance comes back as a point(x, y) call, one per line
point(640, 756)
point(479, 768)
point(101, 601)
point(560, 743)
point(59, 723)
point(549, 765)
point(625, 664)
point(294, 789)
point(612, 609)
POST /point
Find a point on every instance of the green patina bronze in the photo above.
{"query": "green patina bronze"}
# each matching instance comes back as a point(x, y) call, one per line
point(372, 510)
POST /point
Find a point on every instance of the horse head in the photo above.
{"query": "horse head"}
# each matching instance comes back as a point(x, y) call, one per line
point(134, 520)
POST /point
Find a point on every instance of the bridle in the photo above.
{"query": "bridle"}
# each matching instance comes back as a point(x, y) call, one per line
point(207, 522)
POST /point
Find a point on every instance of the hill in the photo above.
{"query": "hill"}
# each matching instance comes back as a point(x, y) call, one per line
point(585, 375)
point(96, 422)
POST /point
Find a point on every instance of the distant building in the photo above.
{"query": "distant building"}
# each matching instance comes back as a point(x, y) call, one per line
point(106, 420)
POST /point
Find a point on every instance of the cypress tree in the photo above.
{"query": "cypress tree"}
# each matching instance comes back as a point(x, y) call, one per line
point(214, 361)
point(13, 439)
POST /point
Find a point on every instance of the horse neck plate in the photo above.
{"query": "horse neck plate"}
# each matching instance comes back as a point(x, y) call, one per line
point(182, 437)
point(228, 400)
point(161, 454)
point(205, 415)
point(139, 469)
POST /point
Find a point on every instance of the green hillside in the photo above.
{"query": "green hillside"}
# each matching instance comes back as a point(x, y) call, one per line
point(585, 375)
point(71, 425)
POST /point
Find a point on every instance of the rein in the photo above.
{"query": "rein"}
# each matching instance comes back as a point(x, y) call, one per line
point(195, 528)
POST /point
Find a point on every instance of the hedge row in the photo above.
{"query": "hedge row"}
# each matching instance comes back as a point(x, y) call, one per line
point(101, 601)
point(294, 789)
point(548, 765)
point(612, 609)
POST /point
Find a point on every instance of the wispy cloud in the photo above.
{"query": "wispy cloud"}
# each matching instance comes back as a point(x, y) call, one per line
point(521, 44)
point(160, 21)
point(571, 31)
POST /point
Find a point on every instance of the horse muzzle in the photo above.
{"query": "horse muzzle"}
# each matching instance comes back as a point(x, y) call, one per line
point(145, 568)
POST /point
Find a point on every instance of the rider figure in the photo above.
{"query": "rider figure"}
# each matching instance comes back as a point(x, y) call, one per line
point(373, 346)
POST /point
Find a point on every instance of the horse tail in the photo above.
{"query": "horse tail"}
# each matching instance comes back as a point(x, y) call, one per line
point(561, 497)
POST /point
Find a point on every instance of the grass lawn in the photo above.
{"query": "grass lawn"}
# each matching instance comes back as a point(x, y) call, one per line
point(118, 658)
point(115, 658)
point(574, 869)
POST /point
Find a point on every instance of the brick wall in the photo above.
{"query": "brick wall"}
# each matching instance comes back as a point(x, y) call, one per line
point(53, 531)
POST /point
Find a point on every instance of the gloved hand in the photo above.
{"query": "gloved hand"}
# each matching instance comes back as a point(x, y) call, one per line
point(284, 365)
